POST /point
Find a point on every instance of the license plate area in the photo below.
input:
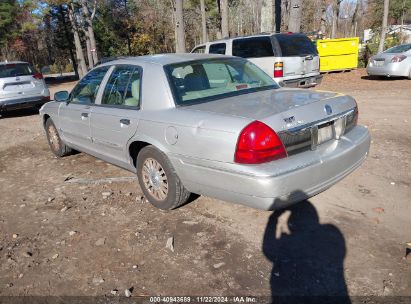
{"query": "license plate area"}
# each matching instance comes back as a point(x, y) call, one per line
point(379, 63)
point(325, 132)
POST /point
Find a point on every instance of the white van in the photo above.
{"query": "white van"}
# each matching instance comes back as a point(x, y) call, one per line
point(290, 59)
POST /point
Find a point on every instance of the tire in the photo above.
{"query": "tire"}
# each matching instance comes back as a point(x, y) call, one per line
point(409, 75)
point(57, 146)
point(159, 181)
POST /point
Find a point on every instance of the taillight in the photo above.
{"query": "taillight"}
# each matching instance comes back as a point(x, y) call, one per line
point(38, 76)
point(257, 144)
point(398, 58)
point(278, 69)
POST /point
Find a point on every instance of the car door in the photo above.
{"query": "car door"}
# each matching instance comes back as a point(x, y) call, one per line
point(74, 116)
point(115, 118)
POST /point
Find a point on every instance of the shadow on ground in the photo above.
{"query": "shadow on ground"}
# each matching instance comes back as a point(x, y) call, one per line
point(20, 113)
point(382, 78)
point(308, 257)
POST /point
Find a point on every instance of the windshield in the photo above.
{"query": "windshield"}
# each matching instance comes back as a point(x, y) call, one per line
point(295, 45)
point(205, 80)
point(14, 70)
point(399, 49)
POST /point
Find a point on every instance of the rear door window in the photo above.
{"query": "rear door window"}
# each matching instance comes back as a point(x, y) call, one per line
point(295, 45)
point(123, 87)
point(15, 69)
point(253, 47)
point(217, 48)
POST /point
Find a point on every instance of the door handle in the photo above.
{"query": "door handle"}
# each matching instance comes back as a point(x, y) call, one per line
point(84, 116)
point(125, 121)
point(309, 57)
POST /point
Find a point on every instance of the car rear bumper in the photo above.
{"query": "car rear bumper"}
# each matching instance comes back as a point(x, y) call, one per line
point(306, 82)
point(395, 69)
point(23, 103)
point(282, 182)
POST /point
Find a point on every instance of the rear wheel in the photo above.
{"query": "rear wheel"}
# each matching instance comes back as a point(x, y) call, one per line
point(409, 75)
point(159, 181)
point(57, 146)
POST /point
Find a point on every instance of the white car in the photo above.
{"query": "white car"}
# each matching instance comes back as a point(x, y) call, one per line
point(290, 59)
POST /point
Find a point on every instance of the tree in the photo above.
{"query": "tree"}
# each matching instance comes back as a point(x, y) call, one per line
point(203, 22)
point(267, 15)
point(180, 35)
point(294, 23)
point(336, 15)
point(89, 32)
point(224, 18)
point(82, 68)
point(8, 28)
point(384, 25)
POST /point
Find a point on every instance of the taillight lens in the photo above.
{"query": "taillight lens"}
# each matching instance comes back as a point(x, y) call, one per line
point(278, 69)
point(398, 58)
point(38, 76)
point(257, 144)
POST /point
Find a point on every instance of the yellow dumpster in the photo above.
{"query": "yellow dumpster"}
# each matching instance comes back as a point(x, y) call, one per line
point(338, 54)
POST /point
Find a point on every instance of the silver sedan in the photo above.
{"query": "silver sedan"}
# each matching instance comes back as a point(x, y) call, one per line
point(394, 62)
point(208, 124)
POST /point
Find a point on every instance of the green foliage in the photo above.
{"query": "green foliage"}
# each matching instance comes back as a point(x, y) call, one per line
point(8, 28)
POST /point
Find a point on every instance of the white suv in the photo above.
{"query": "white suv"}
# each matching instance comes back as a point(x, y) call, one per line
point(290, 59)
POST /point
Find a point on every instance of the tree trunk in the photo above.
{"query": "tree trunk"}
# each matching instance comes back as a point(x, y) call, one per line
point(89, 24)
point(77, 43)
point(334, 23)
point(224, 18)
point(384, 26)
point(203, 22)
point(180, 35)
point(89, 56)
point(323, 21)
point(277, 10)
point(69, 41)
point(294, 23)
point(267, 15)
point(354, 19)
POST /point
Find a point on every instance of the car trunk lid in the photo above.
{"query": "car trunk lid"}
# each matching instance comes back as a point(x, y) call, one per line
point(293, 113)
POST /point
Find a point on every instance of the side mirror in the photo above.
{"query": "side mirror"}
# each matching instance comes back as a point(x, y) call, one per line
point(61, 96)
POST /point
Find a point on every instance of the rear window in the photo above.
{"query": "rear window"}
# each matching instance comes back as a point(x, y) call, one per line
point(253, 47)
point(218, 48)
point(205, 80)
point(399, 49)
point(15, 69)
point(295, 45)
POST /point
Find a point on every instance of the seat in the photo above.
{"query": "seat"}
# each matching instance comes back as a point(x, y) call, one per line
point(197, 80)
point(135, 93)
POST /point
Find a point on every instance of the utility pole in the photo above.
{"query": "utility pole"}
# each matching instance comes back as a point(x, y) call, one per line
point(180, 35)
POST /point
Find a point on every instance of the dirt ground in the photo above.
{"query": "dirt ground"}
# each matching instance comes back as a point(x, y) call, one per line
point(59, 237)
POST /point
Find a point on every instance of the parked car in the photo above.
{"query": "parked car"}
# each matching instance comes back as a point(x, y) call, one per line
point(290, 59)
point(211, 125)
point(21, 87)
point(395, 61)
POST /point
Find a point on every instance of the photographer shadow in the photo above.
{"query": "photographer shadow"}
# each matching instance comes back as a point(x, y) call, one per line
point(308, 257)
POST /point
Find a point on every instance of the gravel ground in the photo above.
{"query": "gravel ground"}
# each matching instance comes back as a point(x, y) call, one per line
point(59, 237)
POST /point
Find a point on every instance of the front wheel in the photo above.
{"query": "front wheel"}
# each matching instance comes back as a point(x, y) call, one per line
point(57, 146)
point(158, 180)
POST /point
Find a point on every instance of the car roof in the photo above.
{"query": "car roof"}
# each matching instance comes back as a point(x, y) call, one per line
point(251, 36)
point(12, 62)
point(164, 59)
